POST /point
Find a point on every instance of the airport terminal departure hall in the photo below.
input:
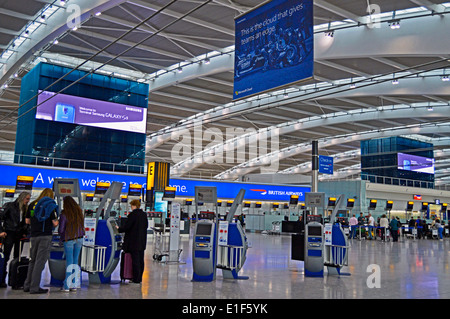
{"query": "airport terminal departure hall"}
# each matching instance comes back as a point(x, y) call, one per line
point(224, 154)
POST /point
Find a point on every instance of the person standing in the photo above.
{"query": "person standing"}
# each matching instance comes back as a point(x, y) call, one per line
point(71, 232)
point(41, 238)
point(394, 229)
point(384, 224)
point(135, 239)
point(440, 228)
point(13, 229)
point(371, 224)
point(353, 222)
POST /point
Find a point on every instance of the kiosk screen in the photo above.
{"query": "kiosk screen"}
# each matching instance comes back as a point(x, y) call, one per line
point(314, 231)
point(114, 228)
point(204, 229)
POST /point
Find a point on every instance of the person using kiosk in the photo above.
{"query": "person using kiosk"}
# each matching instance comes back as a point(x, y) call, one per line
point(71, 232)
point(43, 216)
point(135, 239)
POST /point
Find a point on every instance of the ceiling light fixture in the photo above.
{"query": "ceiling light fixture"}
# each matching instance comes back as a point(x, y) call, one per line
point(395, 24)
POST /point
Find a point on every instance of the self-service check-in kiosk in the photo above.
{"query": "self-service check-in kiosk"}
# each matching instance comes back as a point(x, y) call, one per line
point(204, 251)
point(204, 248)
point(57, 261)
point(320, 246)
point(314, 247)
point(102, 242)
point(232, 243)
point(210, 253)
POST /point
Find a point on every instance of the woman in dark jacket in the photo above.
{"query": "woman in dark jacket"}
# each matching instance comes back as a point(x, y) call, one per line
point(13, 228)
point(135, 240)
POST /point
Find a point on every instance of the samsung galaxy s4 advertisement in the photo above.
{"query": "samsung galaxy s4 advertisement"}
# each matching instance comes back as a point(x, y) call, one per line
point(89, 112)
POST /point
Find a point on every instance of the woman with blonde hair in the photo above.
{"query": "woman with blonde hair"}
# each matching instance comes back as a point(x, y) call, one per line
point(41, 240)
point(71, 232)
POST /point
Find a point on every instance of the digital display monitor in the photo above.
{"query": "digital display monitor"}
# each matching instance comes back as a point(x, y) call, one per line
point(113, 226)
point(188, 202)
point(204, 229)
point(424, 206)
point(415, 163)
point(89, 198)
point(9, 194)
point(389, 204)
point(247, 204)
point(409, 206)
point(135, 190)
point(24, 183)
point(314, 231)
point(90, 112)
point(331, 202)
point(101, 188)
point(350, 203)
point(373, 204)
point(169, 192)
point(160, 204)
point(293, 200)
point(258, 205)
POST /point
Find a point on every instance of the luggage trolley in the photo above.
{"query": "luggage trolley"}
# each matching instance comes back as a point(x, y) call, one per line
point(160, 245)
point(276, 228)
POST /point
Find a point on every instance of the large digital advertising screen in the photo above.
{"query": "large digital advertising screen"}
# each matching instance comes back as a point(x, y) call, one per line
point(83, 111)
point(273, 46)
point(415, 163)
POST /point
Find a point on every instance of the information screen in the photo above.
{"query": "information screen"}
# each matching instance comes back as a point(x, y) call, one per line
point(204, 229)
point(415, 163)
point(90, 112)
point(314, 231)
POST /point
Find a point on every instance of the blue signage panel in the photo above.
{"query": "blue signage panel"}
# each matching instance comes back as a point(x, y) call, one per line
point(273, 46)
point(44, 177)
point(325, 164)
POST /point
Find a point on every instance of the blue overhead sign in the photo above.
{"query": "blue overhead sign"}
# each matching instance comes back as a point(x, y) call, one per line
point(44, 177)
point(326, 164)
point(273, 47)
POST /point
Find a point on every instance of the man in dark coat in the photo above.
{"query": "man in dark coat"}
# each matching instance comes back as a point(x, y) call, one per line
point(135, 240)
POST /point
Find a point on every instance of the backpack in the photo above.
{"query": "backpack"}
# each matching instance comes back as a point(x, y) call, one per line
point(44, 208)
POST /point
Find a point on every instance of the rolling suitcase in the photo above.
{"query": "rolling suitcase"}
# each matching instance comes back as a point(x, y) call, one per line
point(126, 266)
point(18, 269)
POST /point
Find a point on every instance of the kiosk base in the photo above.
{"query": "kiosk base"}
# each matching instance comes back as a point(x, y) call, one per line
point(232, 274)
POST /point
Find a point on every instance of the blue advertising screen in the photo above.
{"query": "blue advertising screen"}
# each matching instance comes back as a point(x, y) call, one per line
point(89, 112)
point(415, 163)
point(273, 47)
point(44, 177)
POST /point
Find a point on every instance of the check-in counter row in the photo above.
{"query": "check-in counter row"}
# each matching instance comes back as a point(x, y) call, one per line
point(266, 222)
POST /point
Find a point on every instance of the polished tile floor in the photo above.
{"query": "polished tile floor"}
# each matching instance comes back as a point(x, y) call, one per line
point(403, 270)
